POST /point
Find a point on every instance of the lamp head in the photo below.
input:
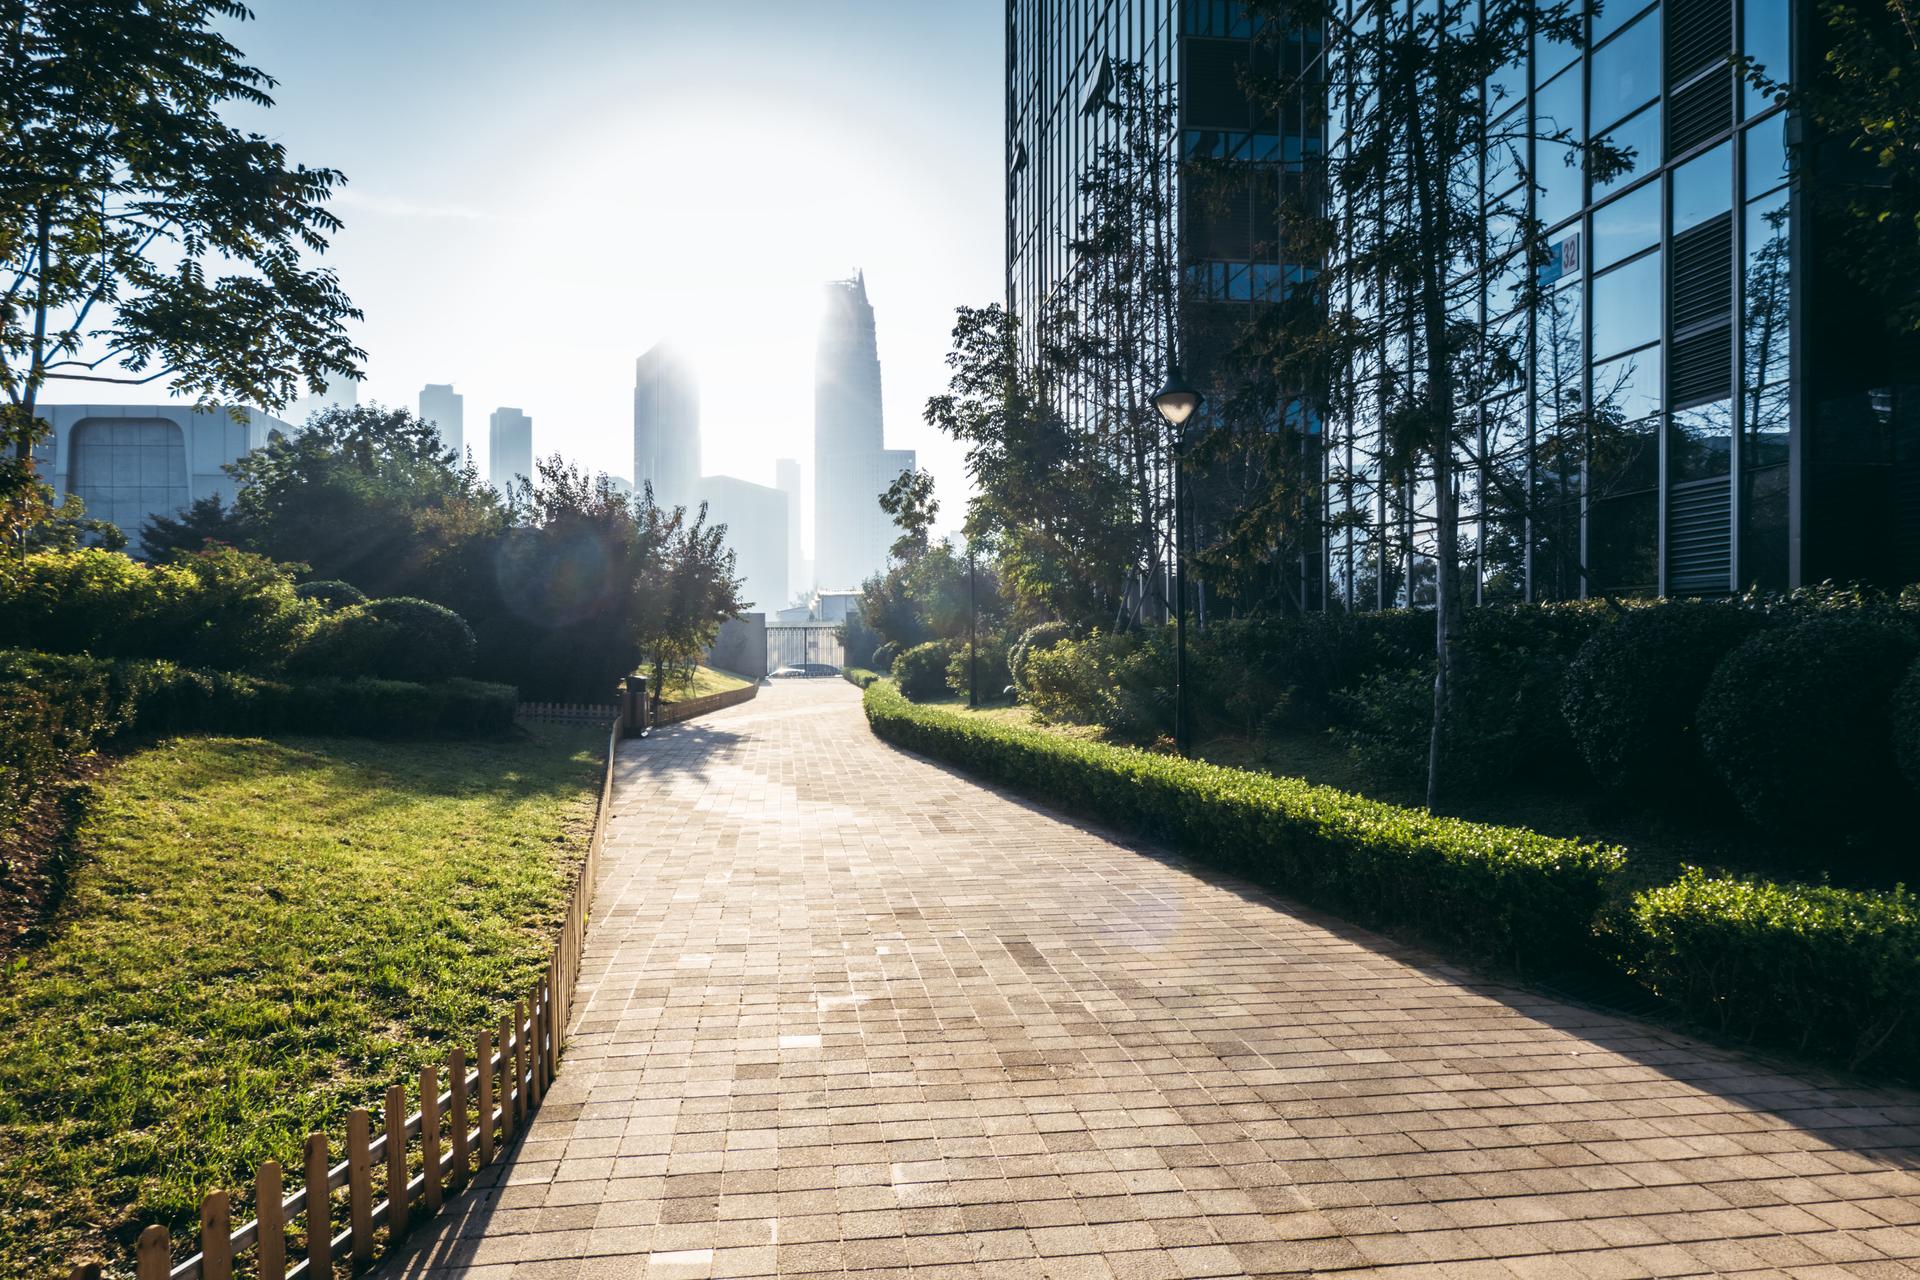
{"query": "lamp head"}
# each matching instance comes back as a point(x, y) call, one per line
point(1177, 399)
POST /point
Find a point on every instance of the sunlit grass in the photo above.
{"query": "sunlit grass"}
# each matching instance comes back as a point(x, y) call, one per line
point(260, 936)
point(704, 681)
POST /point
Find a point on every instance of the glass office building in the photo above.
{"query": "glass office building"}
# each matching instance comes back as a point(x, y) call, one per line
point(1703, 408)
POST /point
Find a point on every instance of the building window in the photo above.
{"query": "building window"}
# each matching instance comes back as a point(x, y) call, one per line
point(128, 470)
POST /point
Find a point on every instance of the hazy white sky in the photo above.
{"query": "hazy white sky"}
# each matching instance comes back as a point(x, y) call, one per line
point(538, 193)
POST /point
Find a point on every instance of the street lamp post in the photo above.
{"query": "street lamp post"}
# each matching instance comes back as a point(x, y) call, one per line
point(1176, 400)
point(973, 633)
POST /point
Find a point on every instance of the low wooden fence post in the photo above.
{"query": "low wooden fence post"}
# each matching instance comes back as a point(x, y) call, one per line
point(272, 1216)
point(397, 1204)
point(430, 1133)
point(216, 1237)
point(153, 1255)
point(360, 1185)
point(457, 1069)
point(483, 1056)
point(319, 1213)
point(506, 1084)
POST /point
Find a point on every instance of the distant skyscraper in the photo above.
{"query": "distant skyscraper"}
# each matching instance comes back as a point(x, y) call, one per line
point(851, 463)
point(509, 447)
point(341, 393)
point(441, 405)
point(786, 472)
point(666, 426)
point(756, 520)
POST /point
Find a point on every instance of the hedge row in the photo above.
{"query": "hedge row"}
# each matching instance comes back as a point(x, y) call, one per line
point(1821, 970)
point(1489, 890)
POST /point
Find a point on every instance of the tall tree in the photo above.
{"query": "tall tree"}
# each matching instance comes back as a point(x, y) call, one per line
point(143, 237)
point(910, 502)
point(1412, 239)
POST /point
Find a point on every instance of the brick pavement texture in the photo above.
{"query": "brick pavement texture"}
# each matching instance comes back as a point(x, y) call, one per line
point(845, 1012)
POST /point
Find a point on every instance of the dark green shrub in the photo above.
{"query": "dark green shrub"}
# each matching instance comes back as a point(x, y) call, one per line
point(1817, 969)
point(373, 708)
point(1123, 683)
point(1796, 721)
point(921, 672)
point(1633, 688)
point(884, 655)
point(331, 594)
point(1037, 638)
point(1494, 891)
point(1262, 674)
point(991, 677)
point(1906, 726)
point(393, 639)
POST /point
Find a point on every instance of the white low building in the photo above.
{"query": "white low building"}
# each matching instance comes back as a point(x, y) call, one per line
point(129, 462)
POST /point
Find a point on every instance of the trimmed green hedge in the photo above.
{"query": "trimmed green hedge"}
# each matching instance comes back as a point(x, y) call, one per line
point(1832, 972)
point(1524, 897)
point(922, 670)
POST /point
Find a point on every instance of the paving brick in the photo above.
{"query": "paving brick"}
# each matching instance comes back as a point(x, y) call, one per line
point(844, 1012)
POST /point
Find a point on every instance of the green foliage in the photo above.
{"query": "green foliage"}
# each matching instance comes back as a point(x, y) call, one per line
point(257, 938)
point(884, 655)
point(1633, 688)
point(1821, 970)
point(331, 593)
point(220, 608)
point(1037, 638)
point(1906, 726)
point(991, 676)
point(206, 520)
point(859, 677)
point(1796, 721)
point(1493, 891)
point(1121, 682)
point(393, 639)
point(141, 230)
point(921, 672)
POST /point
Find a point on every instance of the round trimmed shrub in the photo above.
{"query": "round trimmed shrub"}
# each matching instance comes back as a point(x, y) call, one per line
point(1633, 688)
point(990, 674)
point(331, 593)
point(1796, 721)
point(884, 655)
point(921, 672)
point(1037, 638)
point(399, 638)
point(1906, 726)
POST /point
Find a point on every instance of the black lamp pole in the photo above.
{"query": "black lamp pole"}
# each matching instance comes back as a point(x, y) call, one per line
point(973, 634)
point(1177, 401)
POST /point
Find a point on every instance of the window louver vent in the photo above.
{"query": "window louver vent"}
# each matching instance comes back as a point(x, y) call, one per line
point(1700, 539)
point(1699, 33)
point(1702, 367)
point(1699, 111)
point(1703, 275)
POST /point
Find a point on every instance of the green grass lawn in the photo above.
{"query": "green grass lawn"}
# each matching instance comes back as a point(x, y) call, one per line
point(258, 937)
point(703, 682)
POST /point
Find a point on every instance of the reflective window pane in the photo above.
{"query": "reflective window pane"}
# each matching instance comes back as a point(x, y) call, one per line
point(1556, 110)
point(1703, 187)
point(1640, 138)
point(1766, 155)
point(1764, 321)
point(1627, 225)
point(1626, 71)
point(1765, 36)
point(1700, 442)
point(1627, 388)
point(1613, 15)
point(1623, 536)
point(1626, 306)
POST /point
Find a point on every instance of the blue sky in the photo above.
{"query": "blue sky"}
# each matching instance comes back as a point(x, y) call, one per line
point(539, 192)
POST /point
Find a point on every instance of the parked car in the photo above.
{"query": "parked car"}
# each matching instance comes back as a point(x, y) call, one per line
point(804, 671)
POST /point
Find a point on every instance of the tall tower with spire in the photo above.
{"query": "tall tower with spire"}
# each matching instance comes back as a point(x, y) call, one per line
point(852, 466)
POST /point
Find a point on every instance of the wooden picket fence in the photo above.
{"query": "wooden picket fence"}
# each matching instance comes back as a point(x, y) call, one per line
point(457, 1131)
point(568, 712)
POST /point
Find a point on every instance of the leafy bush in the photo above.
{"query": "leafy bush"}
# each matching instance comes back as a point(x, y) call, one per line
point(1796, 721)
point(884, 655)
point(394, 639)
point(858, 677)
point(373, 708)
point(1633, 688)
point(1037, 638)
point(991, 677)
point(1124, 683)
point(1906, 726)
point(219, 608)
point(921, 672)
point(1265, 673)
point(1489, 890)
point(1818, 969)
point(331, 593)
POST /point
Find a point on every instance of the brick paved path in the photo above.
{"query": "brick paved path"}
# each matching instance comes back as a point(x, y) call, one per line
point(844, 1011)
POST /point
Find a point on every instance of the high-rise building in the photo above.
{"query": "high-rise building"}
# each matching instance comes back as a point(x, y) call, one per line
point(851, 464)
point(786, 472)
point(340, 393)
point(1768, 427)
point(441, 405)
point(756, 520)
point(666, 426)
point(509, 447)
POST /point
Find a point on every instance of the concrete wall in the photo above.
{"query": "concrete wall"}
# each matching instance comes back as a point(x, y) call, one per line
point(741, 646)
